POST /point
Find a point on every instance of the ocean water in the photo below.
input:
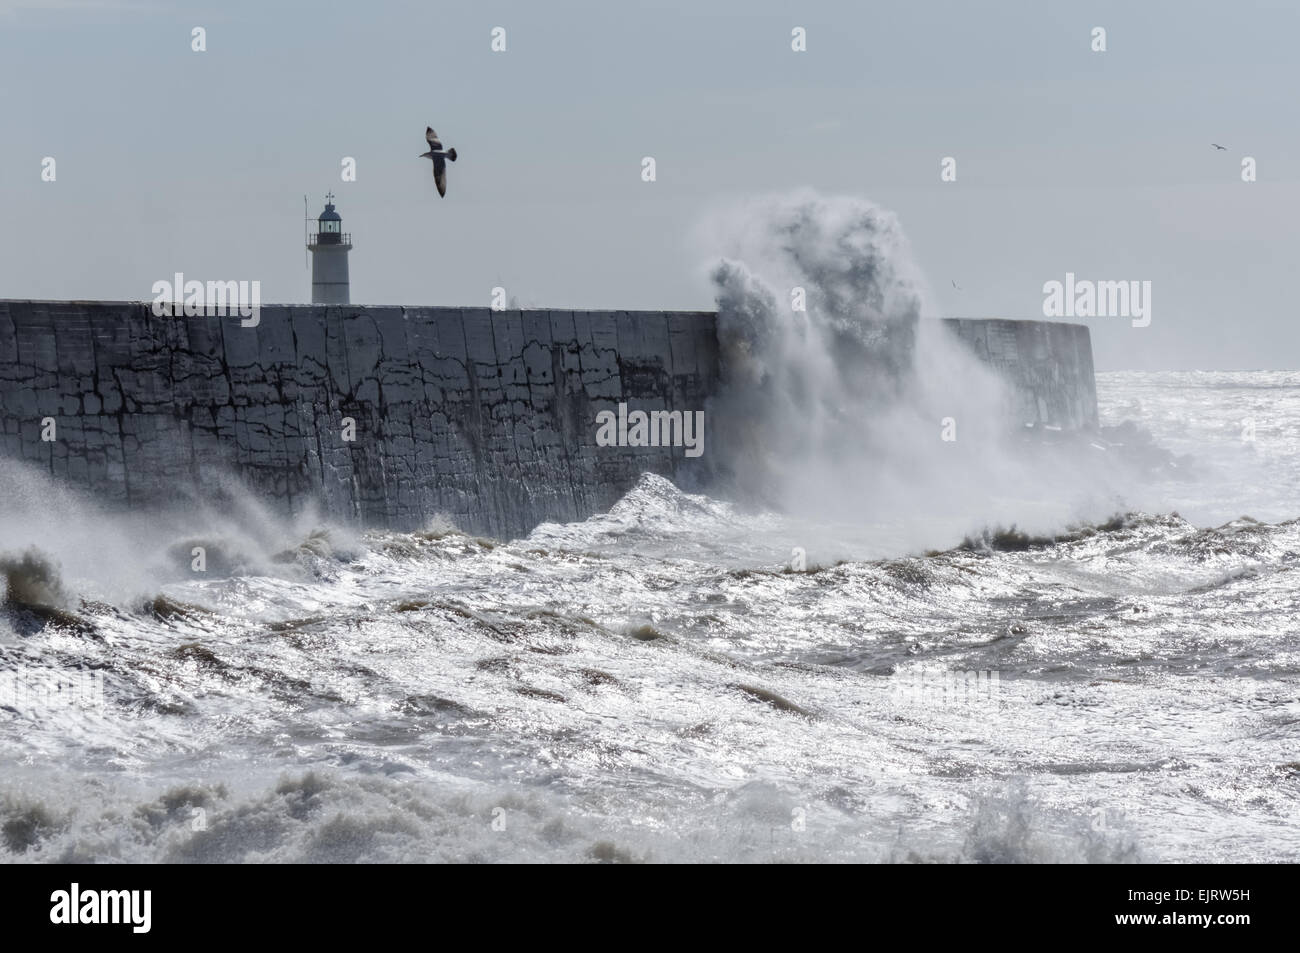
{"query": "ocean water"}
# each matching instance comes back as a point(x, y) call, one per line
point(682, 678)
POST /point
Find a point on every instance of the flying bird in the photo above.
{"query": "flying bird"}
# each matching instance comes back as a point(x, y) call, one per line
point(1219, 147)
point(954, 284)
point(439, 157)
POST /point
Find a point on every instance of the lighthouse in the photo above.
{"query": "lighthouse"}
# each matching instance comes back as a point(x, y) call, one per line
point(329, 249)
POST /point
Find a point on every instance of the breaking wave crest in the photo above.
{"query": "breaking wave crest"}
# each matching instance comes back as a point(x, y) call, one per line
point(841, 403)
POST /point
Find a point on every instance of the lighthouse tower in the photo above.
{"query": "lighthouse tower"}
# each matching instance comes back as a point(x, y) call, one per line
point(329, 249)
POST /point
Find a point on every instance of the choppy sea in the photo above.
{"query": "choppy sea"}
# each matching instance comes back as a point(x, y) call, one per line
point(680, 679)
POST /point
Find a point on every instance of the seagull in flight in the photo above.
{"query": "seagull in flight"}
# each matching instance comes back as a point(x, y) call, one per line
point(439, 157)
point(954, 284)
point(1219, 147)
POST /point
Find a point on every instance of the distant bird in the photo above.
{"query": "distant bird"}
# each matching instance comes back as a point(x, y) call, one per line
point(439, 158)
point(1219, 147)
point(954, 284)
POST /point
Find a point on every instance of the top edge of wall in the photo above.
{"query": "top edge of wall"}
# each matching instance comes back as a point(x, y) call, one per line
point(453, 307)
point(365, 307)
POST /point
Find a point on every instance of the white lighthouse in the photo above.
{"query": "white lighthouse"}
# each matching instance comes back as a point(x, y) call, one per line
point(329, 249)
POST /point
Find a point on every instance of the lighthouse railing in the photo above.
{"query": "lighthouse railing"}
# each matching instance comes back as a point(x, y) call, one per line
point(331, 238)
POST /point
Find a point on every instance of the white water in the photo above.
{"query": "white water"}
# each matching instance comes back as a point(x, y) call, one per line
point(587, 686)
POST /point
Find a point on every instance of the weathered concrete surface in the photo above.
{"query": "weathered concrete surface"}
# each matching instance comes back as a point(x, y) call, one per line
point(486, 417)
point(1048, 365)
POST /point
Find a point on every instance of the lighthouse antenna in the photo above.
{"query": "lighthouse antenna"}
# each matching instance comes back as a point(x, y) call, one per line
point(306, 234)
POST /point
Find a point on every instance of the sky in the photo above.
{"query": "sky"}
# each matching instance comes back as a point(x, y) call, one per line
point(1067, 160)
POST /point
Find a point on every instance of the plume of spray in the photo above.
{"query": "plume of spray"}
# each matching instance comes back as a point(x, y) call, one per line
point(839, 412)
point(58, 545)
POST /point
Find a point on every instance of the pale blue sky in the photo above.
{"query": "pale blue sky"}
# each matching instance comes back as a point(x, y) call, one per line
point(1068, 160)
